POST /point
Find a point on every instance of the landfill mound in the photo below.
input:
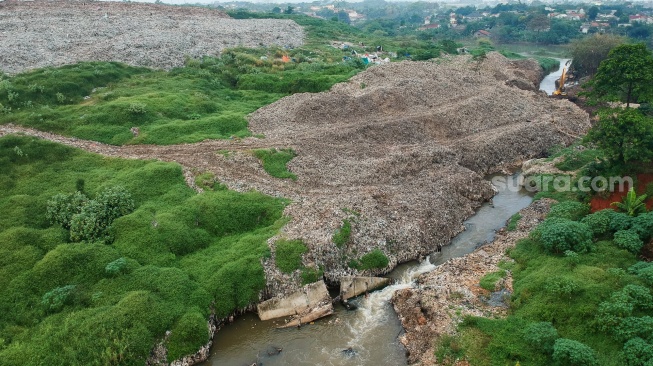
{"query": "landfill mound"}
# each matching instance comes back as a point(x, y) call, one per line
point(401, 149)
point(52, 33)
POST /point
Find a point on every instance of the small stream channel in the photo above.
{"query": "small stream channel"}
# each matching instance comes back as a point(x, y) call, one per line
point(372, 330)
point(548, 84)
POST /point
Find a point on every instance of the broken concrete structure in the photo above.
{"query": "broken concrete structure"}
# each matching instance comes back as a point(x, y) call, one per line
point(351, 286)
point(298, 304)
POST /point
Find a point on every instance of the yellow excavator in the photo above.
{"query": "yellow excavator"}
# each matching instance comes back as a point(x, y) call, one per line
point(561, 81)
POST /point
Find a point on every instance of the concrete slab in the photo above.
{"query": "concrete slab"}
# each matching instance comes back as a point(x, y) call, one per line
point(351, 286)
point(298, 303)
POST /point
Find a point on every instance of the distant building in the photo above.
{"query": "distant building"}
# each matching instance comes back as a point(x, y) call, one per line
point(482, 34)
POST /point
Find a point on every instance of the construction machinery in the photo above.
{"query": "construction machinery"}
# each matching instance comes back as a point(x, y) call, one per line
point(561, 81)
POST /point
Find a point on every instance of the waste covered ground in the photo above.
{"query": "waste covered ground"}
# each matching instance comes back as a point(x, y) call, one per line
point(400, 151)
point(443, 297)
point(53, 33)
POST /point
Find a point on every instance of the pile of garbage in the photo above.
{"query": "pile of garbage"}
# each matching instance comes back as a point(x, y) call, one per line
point(401, 149)
point(52, 33)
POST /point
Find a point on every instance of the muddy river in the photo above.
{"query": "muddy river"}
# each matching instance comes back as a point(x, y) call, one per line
point(368, 335)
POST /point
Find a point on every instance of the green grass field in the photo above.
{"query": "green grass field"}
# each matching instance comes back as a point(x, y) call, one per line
point(172, 260)
point(206, 99)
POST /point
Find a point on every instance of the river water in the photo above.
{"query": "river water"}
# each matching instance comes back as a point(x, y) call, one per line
point(548, 84)
point(372, 330)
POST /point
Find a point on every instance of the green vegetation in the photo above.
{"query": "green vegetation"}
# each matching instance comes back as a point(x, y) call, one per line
point(375, 259)
point(580, 295)
point(632, 204)
point(206, 99)
point(343, 234)
point(171, 260)
point(588, 53)
point(288, 255)
point(624, 136)
point(490, 280)
point(512, 223)
point(274, 162)
point(626, 75)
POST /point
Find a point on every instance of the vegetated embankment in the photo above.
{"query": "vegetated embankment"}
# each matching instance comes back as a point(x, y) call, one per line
point(52, 33)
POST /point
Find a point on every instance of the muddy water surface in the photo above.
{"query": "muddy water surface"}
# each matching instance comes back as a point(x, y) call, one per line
point(367, 336)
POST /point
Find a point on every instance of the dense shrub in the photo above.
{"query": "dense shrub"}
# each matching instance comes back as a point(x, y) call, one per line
point(55, 299)
point(570, 210)
point(567, 352)
point(599, 222)
point(620, 221)
point(190, 330)
point(643, 226)
point(562, 287)
point(541, 336)
point(631, 327)
point(629, 240)
point(89, 220)
point(289, 255)
point(638, 352)
point(566, 235)
point(643, 270)
point(62, 207)
point(622, 304)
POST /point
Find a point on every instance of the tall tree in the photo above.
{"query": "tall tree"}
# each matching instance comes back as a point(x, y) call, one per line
point(626, 75)
point(624, 136)
point(592, 12)
point(588, 52)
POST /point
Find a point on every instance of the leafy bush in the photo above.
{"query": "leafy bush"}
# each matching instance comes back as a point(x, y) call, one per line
point(562, 287)
point(137, 108)
point(343, 234)
point(62, 207)
point(541, 336)
point(629, 240)
point(567, 352)
point(116, 267)
point(55, 299)
point(599, 222)
point(94, 220)
point(631, 327)
point(643, 270)
point(566, 235)
point(643, 226)
point(375, 259)
point(620, 221)
point(570, 210)
point(632, 204)
point(489, 281)
point(289, 255)
point(638, 352)
point(623, 304)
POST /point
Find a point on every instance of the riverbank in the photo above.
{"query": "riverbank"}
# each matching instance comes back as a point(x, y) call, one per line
point(443, 297)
